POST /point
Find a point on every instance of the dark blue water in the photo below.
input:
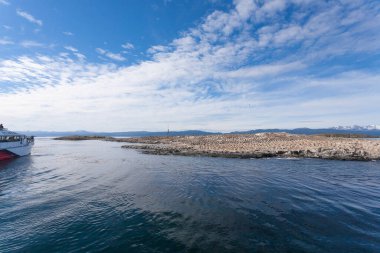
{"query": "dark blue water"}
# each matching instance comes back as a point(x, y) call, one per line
point(93, 196)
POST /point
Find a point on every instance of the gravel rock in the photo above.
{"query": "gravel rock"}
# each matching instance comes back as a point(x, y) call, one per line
point(261, 145)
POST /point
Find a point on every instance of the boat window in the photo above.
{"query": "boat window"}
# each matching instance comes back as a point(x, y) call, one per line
point(10, 138)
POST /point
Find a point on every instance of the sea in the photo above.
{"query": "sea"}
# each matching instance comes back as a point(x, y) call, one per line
point(94, 196)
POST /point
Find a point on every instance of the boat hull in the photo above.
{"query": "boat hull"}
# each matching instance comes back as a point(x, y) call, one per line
point(15, 151)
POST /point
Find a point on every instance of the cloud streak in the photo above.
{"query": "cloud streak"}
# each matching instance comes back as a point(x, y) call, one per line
point(4, 2)
point(68, 33)
point(110, 55)
point(6, 41)
point(31, 44)
point(29, 17)
point(70, 48)
point(128, 46)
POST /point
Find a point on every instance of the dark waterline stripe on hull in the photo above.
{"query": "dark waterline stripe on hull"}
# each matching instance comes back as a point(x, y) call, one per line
point(5, 155)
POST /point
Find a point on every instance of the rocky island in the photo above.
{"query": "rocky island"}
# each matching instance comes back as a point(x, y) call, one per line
point(261, 145)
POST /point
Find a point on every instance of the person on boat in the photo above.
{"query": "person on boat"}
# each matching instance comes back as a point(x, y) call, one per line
point(1, 127)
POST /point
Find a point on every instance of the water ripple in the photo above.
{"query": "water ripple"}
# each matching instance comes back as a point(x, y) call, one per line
point(94, 196)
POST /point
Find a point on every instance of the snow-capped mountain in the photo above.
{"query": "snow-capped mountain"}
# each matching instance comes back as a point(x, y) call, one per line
point(358, 128)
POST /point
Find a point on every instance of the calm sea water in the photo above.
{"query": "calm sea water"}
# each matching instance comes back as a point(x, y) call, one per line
point(93, 196)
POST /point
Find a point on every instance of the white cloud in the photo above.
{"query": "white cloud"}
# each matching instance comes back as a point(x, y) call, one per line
point(288, 34)
point(70, 48)
point(4, 2)
point(127, 46)
point(68, 33)
point(157, 49)
point(6, 41)
point(101, 51)
point(227, 73)
point(74, 52)
point(149, 96)
point(265, 70)
point(110, 55)
point(29, 17)
point(269, 8)
point(31, 43)
point(245, 8)
point(80, 56)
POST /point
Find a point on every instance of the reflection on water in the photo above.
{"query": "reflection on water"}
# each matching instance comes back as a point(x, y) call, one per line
point(95, 196)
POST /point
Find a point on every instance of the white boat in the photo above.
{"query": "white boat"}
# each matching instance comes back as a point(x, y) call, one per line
point(13, 144)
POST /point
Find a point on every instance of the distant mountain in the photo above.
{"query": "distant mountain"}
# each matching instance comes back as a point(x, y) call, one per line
point(357, 128)
point(121, 134)
point(367, 130)
point(373, 132)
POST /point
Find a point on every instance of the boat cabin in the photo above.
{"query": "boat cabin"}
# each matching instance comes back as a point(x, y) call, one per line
point(9, 136)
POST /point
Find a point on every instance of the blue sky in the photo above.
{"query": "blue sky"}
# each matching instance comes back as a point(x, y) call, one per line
point(210, 65)
point(95, 24)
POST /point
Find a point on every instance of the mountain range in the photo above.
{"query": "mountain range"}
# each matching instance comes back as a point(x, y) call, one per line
point(371, 130)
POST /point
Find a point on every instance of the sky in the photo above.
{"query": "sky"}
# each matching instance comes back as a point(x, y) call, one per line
point(124, 65)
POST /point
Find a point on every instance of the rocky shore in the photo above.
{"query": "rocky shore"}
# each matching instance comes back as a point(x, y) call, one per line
point(260, 145)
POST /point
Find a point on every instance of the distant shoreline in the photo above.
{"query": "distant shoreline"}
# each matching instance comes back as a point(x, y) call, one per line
point(369, 133)
point(82, 138)
point(259, 145)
